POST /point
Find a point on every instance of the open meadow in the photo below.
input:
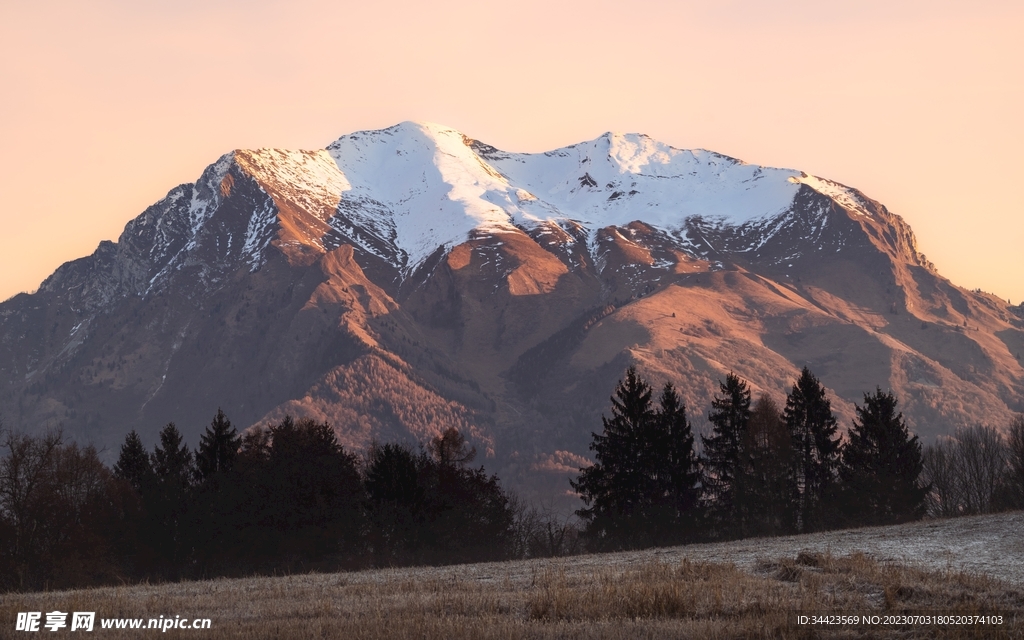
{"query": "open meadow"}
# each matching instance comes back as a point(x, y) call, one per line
point(746, 589)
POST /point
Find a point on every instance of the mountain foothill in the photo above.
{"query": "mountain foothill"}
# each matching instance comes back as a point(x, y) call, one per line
point(405, 281)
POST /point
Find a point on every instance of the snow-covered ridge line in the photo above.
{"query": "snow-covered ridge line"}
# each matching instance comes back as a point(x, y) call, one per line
point(439, 186)
point(403, 192)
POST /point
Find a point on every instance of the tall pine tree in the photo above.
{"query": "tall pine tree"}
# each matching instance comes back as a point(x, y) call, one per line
point(726, 481)
point(676, 471)
point(812, 427)
point(169, 502)
point(216, 516)
point(614, 489)
point(881, 465)
point(218, 447)
point(644, 488)
point(133, 465)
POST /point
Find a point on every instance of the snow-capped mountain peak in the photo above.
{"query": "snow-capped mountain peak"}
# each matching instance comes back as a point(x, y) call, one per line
point(404, 192)
point(426, 186)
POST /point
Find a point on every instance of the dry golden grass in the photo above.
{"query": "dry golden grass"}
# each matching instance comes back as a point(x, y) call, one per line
point(557, 599)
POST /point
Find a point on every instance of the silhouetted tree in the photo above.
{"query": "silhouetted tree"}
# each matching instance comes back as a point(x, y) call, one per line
point(981, 456)
point(940, 469)
point(726, 481)
point(1015, 463)
point(450, 449)
point(881, 466)
point(643, 489)
point(83, 521)
point(396, 503)
point(168, 503)
point(246, 489)
point(313, 493)
point(217, 510)
point(25, 471)
point(134, 465)
point(470, 518)
point(432, 507)
point(812, 426)
point(218, 447)
point(673, 466)
point(134, 470)
point(615, 489)
point(61, 515)
point(542, 532)
point(771, 502)
point(172, 462)
point(968, 472)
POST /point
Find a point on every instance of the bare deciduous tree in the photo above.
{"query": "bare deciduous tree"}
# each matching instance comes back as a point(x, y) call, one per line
point(982, 458)
point(1015, 463)
point(940, 470)
point(542, 532)
point(59, 514)
point(25, 472)
point(968, 471)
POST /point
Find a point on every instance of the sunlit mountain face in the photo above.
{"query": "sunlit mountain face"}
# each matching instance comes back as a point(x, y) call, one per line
point(406, 280)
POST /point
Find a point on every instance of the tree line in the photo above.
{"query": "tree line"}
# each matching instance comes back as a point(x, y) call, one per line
point(290, 497)
point(285, 498)
point(765, 470)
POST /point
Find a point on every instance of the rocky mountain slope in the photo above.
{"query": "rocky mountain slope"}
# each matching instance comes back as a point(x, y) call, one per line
point(405, 280)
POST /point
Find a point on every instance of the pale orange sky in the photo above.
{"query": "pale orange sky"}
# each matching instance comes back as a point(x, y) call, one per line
point(107, 105)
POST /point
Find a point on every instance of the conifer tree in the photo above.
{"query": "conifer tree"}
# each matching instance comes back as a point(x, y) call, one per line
point(133, 465)
point(396, 501)
point(614, 489)
point(168, 503)
point(881, 465)
point(644, 488)
point(217, 513)
point(767, 450)
point(812, 427)
point(312, 491)
point(726, 482)
point(172, 461)
point(675, 469)
point(218, 447)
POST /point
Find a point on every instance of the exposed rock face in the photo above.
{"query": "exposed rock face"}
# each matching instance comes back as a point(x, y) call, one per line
point(406, 280)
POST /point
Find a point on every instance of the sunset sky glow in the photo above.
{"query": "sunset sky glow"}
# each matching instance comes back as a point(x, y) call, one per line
point(108, 105)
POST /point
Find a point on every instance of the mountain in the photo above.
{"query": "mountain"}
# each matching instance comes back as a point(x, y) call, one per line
point(404, 280)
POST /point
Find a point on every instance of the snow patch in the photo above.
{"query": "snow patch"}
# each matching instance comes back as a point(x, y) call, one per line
point(845, 196)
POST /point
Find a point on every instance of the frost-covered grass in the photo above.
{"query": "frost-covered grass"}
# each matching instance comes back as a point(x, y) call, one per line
point(737, 589)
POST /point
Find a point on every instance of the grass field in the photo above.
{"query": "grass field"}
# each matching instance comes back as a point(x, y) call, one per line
point(745, 589)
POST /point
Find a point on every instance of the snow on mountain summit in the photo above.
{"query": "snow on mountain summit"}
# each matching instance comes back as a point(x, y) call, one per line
point(619, 178)
point(404, 192)
point(433, 186)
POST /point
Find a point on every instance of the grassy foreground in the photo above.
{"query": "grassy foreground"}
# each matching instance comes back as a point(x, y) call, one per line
point(556, 599)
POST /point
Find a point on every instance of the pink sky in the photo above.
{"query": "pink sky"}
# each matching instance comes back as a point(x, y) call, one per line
point(107, 105)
